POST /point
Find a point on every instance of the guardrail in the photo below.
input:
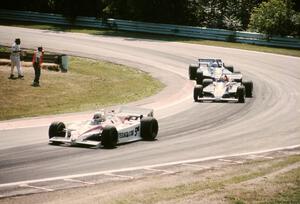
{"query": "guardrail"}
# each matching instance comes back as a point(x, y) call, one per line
point(167, 29)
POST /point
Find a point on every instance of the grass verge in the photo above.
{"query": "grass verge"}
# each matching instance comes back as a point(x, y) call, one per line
point(88, 84)
point(94, 31)
point(254, 182)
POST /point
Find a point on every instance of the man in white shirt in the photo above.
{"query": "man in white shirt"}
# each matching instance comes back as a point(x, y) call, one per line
point(15, 59)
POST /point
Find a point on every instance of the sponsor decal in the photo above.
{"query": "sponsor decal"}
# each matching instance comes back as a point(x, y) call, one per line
point(130, 133)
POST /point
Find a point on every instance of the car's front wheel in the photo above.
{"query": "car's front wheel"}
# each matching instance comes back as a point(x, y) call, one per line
point(149, 128)
point(240, 94)
point(198, 92)
point(248, 88)
point(109, 136)
point(57, 129)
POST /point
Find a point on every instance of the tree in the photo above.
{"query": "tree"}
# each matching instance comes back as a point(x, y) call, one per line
point(230, 14)
point(273, 17)
point(157, 11)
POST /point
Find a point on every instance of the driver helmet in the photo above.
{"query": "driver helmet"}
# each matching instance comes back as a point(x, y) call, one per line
point(98, 117)
point(214, 64)
point(220, 79)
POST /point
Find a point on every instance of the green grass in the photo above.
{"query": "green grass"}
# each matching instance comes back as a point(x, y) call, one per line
point(3, 49)
point(89, 84)
point(94, 31)
point(290, 193)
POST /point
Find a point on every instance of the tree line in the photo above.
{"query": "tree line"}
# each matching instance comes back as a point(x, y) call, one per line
point(273, 17)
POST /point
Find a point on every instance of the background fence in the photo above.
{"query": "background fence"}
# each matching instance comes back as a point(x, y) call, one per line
point(167, 29)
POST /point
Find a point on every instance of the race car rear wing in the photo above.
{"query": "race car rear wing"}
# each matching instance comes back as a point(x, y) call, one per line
point(135, 111)
point(209, 61)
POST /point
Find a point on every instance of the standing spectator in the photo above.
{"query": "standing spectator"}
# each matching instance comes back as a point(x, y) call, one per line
point(15, 59)
point(37, 61)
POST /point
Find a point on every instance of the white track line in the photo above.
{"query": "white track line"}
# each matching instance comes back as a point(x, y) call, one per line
point(231, 161)
point(197, 166)
point(36, 187)
point(110, 172)
point(118, 175)
point(79, 181)
point(160, 170)
point(226, 160)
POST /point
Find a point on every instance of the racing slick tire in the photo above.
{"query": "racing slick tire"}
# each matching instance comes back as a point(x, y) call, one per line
point(57, 129)
point(193, 71)
point(240, 94)
point(198, 92)
point(109, 137)
point(229, 68)
point(199, 76)
point(206, 82)
point(248, 88)
point(149, 128)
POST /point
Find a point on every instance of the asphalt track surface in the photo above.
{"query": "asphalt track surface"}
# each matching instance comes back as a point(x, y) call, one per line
point(188, 130)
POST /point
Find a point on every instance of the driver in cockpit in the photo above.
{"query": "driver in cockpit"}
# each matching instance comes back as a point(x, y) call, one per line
point(98, 118)
point(223, 78)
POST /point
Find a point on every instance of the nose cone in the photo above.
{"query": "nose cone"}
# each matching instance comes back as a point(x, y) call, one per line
point(219, 89)
point(218, 73)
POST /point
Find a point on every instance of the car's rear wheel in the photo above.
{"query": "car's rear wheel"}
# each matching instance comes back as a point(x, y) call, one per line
point(57, 129)
point(199, 76)
point(192, 71)
point(149, 128)
point(109, 136)
point(229, 68)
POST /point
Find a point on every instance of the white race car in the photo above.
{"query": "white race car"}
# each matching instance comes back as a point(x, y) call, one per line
point(212, 69)
point(223, 90)
point(107, 128)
